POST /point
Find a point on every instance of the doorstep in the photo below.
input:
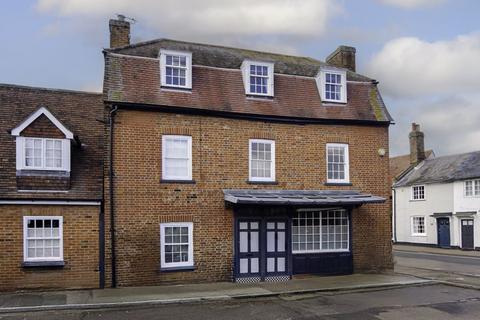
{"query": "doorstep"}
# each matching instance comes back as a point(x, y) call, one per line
point(168, 294)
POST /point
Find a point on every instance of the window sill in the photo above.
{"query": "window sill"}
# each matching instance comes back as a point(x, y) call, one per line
point(177, 269)
point(43, 264)
point(419, 235)
point(176, 89)
point(411, 200)
point(262, 182)
point(178, 181)
point(338, 184)
point(263, 97)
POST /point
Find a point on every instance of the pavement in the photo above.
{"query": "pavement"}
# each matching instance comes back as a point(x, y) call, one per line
point(434, 250)
point(191, 293)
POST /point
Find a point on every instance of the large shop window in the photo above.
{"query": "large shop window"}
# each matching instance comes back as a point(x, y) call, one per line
point(43, 238)
point(176, 244)
point(320, 231)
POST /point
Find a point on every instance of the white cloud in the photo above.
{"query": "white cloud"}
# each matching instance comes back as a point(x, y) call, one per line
point(409, 67)
point(450, 124)
point(208, 17)
point(410, 4)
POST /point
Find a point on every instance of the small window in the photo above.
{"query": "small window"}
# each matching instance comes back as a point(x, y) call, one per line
point(176, 69)
point(262, 160)
point(418, 226)
point(418, 193)
point(333, 85)
point(43, 154)
point(176, 244)
point(176, 157)
point(337, 163)
point(258, 78)
point(43, 238)
point(320, 231)
point(472, 188)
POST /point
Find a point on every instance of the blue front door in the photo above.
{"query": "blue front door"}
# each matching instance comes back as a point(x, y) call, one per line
point(443, 231)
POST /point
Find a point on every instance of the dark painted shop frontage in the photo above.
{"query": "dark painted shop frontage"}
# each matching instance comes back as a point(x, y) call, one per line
point(280, 233)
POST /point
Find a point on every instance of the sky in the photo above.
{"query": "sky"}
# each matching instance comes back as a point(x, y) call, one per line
point(424, 53)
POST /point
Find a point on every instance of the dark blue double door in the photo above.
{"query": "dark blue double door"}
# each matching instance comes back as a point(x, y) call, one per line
point(261, 248)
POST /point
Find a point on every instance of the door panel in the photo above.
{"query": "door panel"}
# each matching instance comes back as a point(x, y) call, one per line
point(248, 247)
point(467, 233)
point(276, 253)
point(443, 232)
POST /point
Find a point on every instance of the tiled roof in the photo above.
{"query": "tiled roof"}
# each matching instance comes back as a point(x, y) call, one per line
point(133, 76)
point(299, 197)
point(80, 112)
point(400, 164)
point(443, 169)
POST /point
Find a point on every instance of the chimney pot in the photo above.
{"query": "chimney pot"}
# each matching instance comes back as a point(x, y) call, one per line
point(343, 57)
point(119, 32)
point(417, 147)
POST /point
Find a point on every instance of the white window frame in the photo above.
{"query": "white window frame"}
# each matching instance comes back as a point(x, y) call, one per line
point(246, 77)
point(473, 182)
point(272, 167)
point(188, 68)
point(347, 162)
point(21, 160)
point(412, 196)
point(165, 175)
point(25, 238)
point(321, 216)
point(412, 225)
point(190, 262)
point(321, 83)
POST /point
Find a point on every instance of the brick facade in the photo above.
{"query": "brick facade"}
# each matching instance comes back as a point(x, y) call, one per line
point(220, 160)
point(80, 249)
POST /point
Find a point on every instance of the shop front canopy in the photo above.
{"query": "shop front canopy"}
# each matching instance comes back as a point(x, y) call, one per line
point(299, 197)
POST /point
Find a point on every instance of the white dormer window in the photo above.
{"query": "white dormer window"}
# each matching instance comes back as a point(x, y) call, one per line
point(176, 69)
point(258, 78)
point(333, 85)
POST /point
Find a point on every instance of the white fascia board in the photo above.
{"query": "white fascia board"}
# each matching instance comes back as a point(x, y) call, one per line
point(16, 132)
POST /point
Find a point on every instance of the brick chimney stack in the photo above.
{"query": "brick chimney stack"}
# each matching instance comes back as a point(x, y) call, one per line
point(417, 148)
point(343, 57)
point(119, 32)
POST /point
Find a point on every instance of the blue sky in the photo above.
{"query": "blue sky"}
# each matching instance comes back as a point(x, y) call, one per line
point(425, 53)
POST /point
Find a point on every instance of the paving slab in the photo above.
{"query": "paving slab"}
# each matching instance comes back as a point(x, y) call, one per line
point(105, 298)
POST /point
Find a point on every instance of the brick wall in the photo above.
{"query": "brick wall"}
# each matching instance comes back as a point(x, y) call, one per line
point(80, 249)
point(42, 127)
point(220, 160)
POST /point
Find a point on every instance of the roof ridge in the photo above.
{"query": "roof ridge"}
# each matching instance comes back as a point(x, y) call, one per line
point(25, 87)
point(142, 43)
point(454, 155)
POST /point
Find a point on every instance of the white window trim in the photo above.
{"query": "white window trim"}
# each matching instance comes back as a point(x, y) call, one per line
point(412, 198)
point(412, 229)
point(190, 262)
point(326, 250)
point(272, 168)
point(189, 141)
point(246, 77)
point(347, 162)
point(188, 74)
point(25, 233)
point(20, 155)
point(473, 189)
point(16, 132)
point(321, 81)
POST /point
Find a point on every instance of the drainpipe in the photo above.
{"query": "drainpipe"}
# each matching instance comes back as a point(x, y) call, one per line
point(112, 215)
point(394, 213)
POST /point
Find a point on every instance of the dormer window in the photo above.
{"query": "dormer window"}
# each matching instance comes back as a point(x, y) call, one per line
point(258, 78)
point(39, 151)
point(333, 85)
point(176, 69)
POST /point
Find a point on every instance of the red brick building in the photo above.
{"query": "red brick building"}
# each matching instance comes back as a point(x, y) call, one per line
point(51, 150)
point(232, 164)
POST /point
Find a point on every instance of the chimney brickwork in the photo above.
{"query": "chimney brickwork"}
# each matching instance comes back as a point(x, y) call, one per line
point(119, 32)
point(343, 57)
point(417, 147)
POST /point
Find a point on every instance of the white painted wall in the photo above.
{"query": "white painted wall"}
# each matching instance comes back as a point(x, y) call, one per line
point(438, 198)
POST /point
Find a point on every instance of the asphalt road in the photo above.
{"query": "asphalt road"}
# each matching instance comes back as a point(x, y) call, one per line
point(425, 302)
point(438, 262)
